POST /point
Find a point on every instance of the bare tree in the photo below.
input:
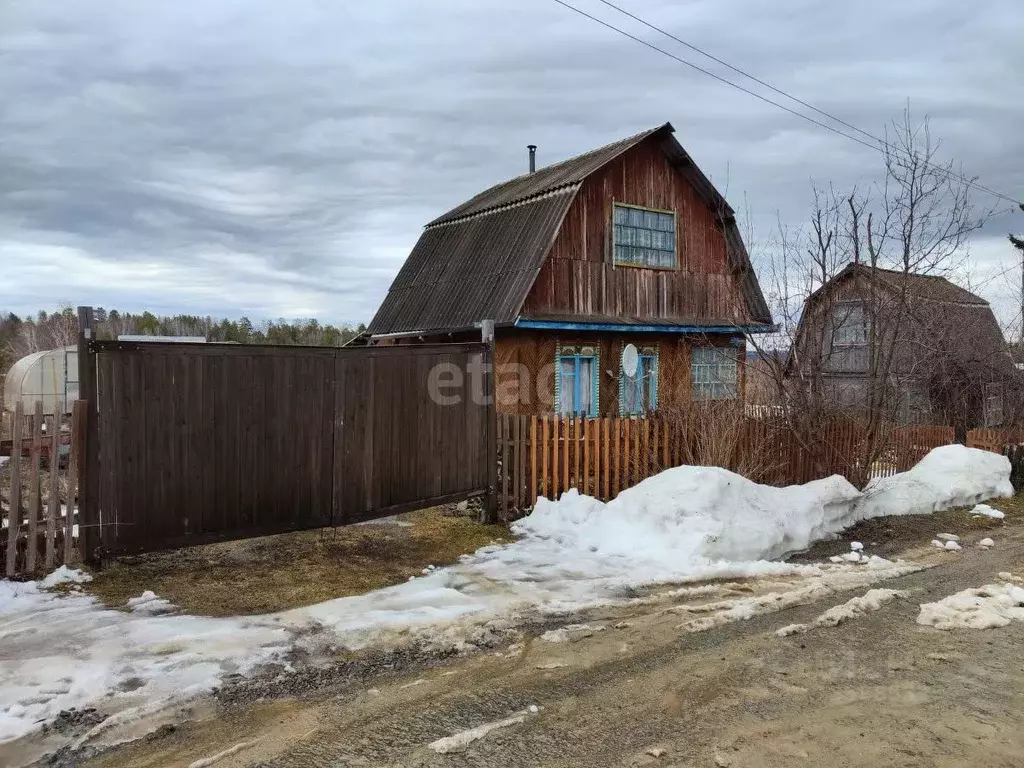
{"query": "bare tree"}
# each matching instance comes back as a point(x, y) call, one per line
point(874, 323)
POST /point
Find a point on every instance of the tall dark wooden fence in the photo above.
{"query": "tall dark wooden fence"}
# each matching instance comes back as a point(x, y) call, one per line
point(195, 443)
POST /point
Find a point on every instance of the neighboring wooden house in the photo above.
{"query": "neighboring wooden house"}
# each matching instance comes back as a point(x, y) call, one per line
point(627, 244)
point(930, 351)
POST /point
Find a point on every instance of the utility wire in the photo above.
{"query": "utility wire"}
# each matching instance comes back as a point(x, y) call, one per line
point(877, 144)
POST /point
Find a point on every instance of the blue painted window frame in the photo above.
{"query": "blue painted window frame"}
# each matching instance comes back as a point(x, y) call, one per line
point(595, 378)
point(652, 387)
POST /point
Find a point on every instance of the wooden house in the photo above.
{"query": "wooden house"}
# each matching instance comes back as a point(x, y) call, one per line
point(922, 349)
point(627, 244)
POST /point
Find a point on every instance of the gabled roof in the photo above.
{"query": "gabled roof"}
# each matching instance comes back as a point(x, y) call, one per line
point(960, 323)
point(918, 286)
point(480, 259)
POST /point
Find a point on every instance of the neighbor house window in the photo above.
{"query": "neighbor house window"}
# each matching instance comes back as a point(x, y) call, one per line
point(715, 373)
point(577, 383)
point(993, 405)
point(850, 324)
point(644, 237)
point(640, 392)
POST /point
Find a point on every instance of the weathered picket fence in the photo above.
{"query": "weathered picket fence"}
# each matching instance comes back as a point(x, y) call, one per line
point(38, 513)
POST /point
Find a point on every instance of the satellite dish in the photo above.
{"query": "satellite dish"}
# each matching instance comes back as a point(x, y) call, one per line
point(630, 360)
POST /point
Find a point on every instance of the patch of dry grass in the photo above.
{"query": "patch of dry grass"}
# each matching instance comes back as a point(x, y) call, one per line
point(274, 573)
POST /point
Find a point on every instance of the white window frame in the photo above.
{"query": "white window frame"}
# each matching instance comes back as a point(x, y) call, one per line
point(845, 325)
point(650, 232)
point(715, 373)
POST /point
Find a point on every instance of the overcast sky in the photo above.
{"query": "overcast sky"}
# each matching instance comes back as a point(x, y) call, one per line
point(278, 159)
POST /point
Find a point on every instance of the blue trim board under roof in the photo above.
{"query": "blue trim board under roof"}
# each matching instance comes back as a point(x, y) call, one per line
point(559, 325)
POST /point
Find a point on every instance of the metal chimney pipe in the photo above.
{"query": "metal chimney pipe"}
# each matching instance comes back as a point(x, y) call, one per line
point(533, 156)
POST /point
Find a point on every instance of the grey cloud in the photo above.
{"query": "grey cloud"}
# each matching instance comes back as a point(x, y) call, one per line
point(274, 157)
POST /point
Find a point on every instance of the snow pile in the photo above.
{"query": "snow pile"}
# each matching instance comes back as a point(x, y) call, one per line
point(715, 614)
point(459, 741)
point(949, 476)
point(694, 514)
point(984, 510)
point(872, 600)
point(986, 543)
point(65, 575)
point(994, 605)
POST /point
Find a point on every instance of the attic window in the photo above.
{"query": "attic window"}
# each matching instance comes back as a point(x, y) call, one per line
point(643, 237)
point(850, 324)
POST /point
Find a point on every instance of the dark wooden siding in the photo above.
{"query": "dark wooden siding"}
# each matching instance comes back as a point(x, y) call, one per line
point(578, 278)
point(524, 358)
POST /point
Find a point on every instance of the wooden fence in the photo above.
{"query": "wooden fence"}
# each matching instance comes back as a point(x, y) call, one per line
point(40, 519)
point(198, 443)
point(547, 455)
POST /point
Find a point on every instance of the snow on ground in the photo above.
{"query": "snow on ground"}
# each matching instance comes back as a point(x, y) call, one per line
point(684, 525)
point(994, 605)
point(872, 600)
point(459, 741)
point(949, 476)
point(984, 510)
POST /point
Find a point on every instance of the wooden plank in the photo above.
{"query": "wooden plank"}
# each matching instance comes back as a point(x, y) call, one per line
point(606, 430)
point(35, 491)
point(88, 470)
point(544, 455)
point(54, 501)
point(597, 458)
point(652, 428)
point(79, 412)
point(616, 440)
point(517, 456)
point(533, 459)
point(576, 428)
point(586, 457)
point(506, 464)
point(555, 463)
point(627, 464)
point(566, 480)
point(664, 445)
point(524, 479)
point(14, 516)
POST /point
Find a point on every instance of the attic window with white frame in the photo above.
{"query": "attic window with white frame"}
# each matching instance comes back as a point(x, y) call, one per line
point(850, 326)
point(643, 237)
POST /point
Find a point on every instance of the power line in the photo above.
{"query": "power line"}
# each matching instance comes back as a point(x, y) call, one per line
point(878, 145)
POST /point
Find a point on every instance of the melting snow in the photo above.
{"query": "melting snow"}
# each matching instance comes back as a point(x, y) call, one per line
point(994, 605)
point(686, 524)
point(984, 510)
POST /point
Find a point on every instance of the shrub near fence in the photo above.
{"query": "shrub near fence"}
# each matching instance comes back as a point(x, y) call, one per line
point(39, 504)
point(547, 455)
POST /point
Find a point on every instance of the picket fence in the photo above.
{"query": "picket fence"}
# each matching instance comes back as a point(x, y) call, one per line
point(544, 456)
point(39, 518)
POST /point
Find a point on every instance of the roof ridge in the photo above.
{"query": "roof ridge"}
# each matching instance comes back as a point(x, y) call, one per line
point(530, 185)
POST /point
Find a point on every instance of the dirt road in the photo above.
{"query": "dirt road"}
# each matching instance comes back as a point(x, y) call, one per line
point(879, 690)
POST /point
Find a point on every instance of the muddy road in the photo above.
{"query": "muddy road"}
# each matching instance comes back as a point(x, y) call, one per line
point(878, 690)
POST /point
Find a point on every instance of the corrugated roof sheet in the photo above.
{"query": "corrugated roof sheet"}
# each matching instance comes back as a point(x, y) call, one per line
point(478, 267)
point(568, 172)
